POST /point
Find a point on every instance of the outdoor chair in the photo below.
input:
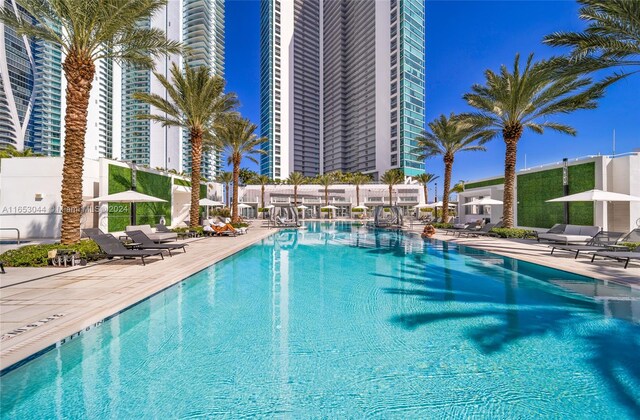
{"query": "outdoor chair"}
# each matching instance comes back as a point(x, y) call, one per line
point(569, 234)
point(154, 236)
point(90, 232)
point(602, 241)
point(472, 227)
point(112, 247)
point(484, 230)
point(144, 242)
point(619, 255)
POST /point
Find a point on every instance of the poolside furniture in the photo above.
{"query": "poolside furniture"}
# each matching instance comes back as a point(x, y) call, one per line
point(154, 236)
point(462, 227)
point(144, 242)
point(472, 227)
point(602, 241)
point(567, 234)
point(2, 268)
point(114, 248)
point(284, 222)
point(90, 232)
point(619, 255)
point(484, 230)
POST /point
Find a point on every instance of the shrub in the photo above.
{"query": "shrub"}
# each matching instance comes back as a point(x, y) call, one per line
point(239, 225)
point(325, 210)
point(513, 232)
point(222, 212)
point(357, 210)
point(38, 255)
point(631, 245)
point(442, 225)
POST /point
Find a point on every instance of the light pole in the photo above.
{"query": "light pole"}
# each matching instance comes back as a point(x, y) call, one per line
point(565, 187)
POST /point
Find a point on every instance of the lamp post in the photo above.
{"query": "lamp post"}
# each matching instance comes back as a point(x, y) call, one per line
point(565, 187)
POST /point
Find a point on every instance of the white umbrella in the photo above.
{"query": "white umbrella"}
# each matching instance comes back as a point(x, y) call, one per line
point(210, 203)
point(128, 197)
point(302, 207)
point(486, 201)
point(244, 206)
point(330, 207)
point(361, 207)
point(421, 206)
point(439, 204)
point(270, 206)
point(595, 195)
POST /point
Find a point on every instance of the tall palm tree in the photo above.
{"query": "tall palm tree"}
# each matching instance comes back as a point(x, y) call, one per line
point(237, 139)
point(358, 179)
point(392, 177)
point(225, 178)
point(326, 180)
point(446, 137)
point(512, 101)
point(87, 31)
point(262, 180)
point(296, 179)
point(426, 179)
point(197, 102)
point(611, 39)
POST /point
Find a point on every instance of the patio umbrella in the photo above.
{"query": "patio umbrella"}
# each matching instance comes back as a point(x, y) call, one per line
point(205, 202)
point(486, 201)
point(361, 207)
point(595, 195)
point(438, 204)
point(330, 207)
point(244, 206)
point(302, 207)
point(421, 206)
point(128, 197)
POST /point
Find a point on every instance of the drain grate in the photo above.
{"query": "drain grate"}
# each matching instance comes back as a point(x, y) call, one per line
point(14, 333)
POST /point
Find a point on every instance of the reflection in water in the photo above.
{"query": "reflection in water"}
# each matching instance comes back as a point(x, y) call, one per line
point(279, 265)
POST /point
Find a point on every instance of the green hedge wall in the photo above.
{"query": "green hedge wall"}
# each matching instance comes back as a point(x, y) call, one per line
point(537, 187)
point(185, 183)
point(147, 183)
point(496, 181)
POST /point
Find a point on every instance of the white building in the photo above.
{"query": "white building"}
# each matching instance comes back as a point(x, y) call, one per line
point(30, 200)
point(620, 174)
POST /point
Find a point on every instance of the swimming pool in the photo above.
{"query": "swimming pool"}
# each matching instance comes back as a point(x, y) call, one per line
point(341, 321)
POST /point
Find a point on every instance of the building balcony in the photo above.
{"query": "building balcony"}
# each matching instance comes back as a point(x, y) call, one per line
point(280, 200)
point(312, 200)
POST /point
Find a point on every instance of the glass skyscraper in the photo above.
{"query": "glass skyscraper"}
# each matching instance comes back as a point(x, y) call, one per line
point(342, 85)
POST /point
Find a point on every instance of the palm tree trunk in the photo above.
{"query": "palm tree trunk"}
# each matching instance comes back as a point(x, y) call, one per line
point(326, 196)
point(295, 195)
point(79, 71)
point(196, 163)
point(426, 194)
point(357, 195)
point(390, 195)
point(448, 165)
point(235, 217)
point(509, 181)
point(226, 201)
point(264, 215)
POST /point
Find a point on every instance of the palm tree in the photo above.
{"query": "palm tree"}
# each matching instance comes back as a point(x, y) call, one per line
point(296, 179)
point(225, 178)
point(326, 180)
point(358, 179)
point(262, 180)
point(509, 102)
point(197, 102)
point(446, 137)
point(88, 31)
point(392, 177)
point(9, 151)
point(611, 39)
point(237, 139)
point(426, 179)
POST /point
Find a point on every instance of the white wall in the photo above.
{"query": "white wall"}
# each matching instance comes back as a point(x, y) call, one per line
point(19, 185)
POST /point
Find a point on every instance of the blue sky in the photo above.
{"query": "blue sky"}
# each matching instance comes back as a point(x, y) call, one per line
point(463, 38)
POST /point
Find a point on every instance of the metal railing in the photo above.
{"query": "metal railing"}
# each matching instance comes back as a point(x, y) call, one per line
point(17, 231)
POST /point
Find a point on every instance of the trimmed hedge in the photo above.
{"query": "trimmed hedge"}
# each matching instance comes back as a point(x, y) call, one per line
point(487, 183)
point(38, 255)
point(513, 232)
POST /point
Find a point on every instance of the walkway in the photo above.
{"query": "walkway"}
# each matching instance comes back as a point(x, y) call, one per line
point(50, 309)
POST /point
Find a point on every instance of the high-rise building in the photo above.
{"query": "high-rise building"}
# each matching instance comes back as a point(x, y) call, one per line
point(199, 25)
point(203, 35)
point(99, 138)
point(30, 98)
point(342, 85)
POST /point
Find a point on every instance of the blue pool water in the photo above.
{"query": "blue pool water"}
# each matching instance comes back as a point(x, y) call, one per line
point(343, 322)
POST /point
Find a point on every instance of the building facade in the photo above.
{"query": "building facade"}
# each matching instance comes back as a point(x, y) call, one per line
point(342, 86)
point(534, 186)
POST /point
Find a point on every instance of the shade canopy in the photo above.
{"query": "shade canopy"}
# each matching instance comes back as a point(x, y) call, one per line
point(302, 207)
point(210, 203)
point(486, 201)
point(361, 207)
point(244, 206)
point(128, 197)
point(595, 195)
point(270, 206)
point(422, 206)
point(329, 207)
point(439, 204)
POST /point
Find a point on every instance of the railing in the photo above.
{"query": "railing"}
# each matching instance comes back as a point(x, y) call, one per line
point(280, 200)
point(306, 200)
point(17, 231)
point(411, 199)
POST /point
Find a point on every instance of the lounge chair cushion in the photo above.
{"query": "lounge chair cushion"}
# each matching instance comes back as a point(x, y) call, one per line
point(154, 236)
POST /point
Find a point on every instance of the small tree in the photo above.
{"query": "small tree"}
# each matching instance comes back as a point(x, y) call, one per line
point(262, 180)
point(358, 179)
point(392, 177)
point(426, 179)
point(226, 178)
point(296, 179)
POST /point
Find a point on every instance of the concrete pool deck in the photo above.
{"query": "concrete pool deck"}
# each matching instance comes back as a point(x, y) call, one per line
point(67, 301)
point(540, 253)
point(52, 308)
